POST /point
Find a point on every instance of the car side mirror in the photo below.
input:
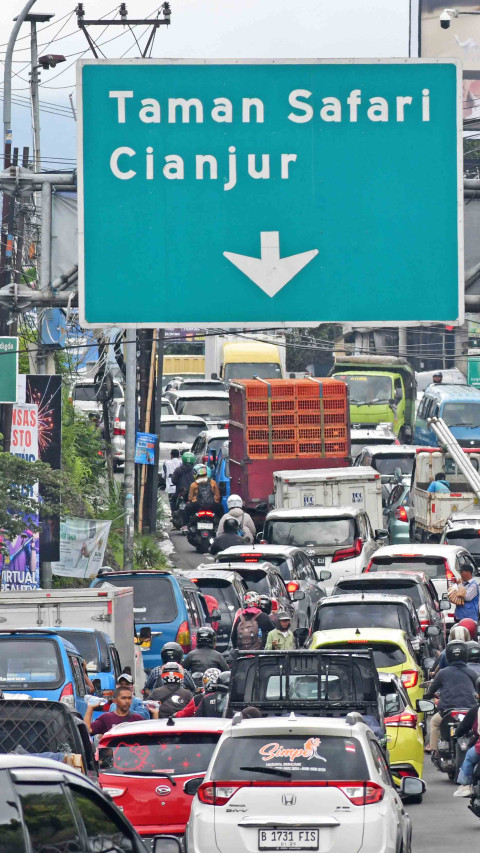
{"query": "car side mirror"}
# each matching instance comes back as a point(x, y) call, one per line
point(428, 664)
point(445, 604)
point(215, 615)
point(432, 631)
point(298, 595)
point(411, 786)
point(325, 575)
point(259, 537)
point(381, 535)
point(167, 843)
point(424, 706)
point(145, 635)
point(261, 507)
point(301, 636)
point(191, 787)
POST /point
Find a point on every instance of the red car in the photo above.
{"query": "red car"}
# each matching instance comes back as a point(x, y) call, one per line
point(144, 767)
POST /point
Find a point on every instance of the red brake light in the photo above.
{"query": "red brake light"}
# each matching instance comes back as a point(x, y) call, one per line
point(409, 678)
point(362, 793)
point(359, 793)
point(217, 794)
point(183, 637)
point(274, 605)
point(203, 512)
point(293, 586)
point(401, 513)
point(449, 574)
point(118, 431)
point(405, 720)
point(67, 696)
point(204, 459)
point(348, 553)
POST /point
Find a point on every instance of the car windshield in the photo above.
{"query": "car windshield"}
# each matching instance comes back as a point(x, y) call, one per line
point(361, 614)
point(393, 587)
point(205, 407)
point(433, 567)
point(358, 444)
point(165, 409)
point(305, 757)
point(192, 385)
point(85, 394)
point(388, 464)
point(327, 532)
point(255, 580)
point(384, 654)
point(182, 754)
point(222, 591)
point(85, 643)
point(118, 392)
point(215, 444)
point(180, 433)
point(469, 539)
point(367, 389)
point(245, 370)
point(33, 663)
point(153, 598)
point(462, 414)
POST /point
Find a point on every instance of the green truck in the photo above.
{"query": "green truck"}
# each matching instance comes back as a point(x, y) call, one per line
point(382, 390)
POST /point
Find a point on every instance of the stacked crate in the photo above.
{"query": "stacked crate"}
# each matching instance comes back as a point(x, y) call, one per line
point(285, 418)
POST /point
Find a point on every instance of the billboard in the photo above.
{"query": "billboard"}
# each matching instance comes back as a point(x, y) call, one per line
point(82, 547)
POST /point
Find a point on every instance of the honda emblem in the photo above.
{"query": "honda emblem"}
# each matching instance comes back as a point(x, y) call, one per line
point(163, 790)
point(289, 799)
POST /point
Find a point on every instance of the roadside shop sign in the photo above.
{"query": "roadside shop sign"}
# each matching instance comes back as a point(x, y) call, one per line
point(233, 193)
point(8, 369)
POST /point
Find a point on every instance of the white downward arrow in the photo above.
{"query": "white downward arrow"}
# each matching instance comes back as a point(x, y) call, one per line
point(270, 271)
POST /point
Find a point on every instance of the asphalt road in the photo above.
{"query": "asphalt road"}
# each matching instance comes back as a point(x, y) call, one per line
point(442, 823)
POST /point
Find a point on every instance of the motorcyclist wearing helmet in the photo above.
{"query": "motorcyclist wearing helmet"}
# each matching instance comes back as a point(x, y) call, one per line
point(211, 701)
point(205, 656)
point(172, 695)
point(458, 632)
point(265, 604)
point(470, 723)
point(472, 627)
point(455, 685)
point(182, 477)
point(251, 627)
point(245, 523)
point(170, 652)
point(203, 493)
point(228, 538)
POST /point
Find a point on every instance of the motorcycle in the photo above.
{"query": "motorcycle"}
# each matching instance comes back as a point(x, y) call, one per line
point(201, 530)
point(474, 804)
point(178, 512)
point(451, 751)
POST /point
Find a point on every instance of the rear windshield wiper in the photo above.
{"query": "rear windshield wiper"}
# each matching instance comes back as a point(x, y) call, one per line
point(159, 773)
point(273, 770)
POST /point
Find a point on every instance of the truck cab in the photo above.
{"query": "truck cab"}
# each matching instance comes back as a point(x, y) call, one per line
point(381, 391)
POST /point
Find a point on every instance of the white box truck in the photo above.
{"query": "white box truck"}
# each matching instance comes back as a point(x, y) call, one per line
point(108, 609)
point(357, 486)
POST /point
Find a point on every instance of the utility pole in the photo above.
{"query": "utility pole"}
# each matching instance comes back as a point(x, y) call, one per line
point(130, 429)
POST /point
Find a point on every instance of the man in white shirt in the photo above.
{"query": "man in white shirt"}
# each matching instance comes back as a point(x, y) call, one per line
point(168, 468)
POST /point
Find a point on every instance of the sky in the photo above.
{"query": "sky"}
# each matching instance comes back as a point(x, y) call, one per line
point(199, 28)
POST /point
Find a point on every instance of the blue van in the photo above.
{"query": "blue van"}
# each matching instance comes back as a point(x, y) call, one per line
point(166, 603)
point(458, 405)
point(43, 665)
point(100, 655)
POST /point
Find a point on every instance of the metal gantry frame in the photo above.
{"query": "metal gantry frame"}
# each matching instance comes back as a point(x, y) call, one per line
point(123, 21)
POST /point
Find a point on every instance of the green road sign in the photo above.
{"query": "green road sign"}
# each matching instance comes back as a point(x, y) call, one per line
point(230, 193)
point(8, 370)
point(473, 372)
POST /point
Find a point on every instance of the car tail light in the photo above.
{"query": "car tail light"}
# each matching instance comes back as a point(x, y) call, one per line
point(215, 794)
point(183, 637)
point(406, 720)
point(67, 696)
point(274, 605)
point(449, 574)
point(113, 792)
point(117, 429)
point(348, 553)
point(293, 586)
point(204, 459)
point(401, 513)
point(362, 793)
point(403, 772)
point(423, 616)
point(203, 512)
point(409, 678)
point(249, 558)
point(107, 694)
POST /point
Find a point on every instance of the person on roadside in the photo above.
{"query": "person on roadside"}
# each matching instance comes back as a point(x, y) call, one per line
point(246, 526)
point(439, 484)
point(137, 706)
point(281, 638)
point(170, 652)
point(251, 627)
point(470, 723)
point(123, 714)
point(172, 694)
point(455, 685)
point(228, 538)
point(465, 596)
point(205, 655)
point(168, 468)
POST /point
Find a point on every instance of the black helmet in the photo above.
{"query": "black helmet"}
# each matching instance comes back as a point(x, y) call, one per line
point(198, 681)
point(230, 525)
point(171, 651)
point(265, 604)
point(206, 637)
point(223, 682)
point(473, 651)
point(457, 650)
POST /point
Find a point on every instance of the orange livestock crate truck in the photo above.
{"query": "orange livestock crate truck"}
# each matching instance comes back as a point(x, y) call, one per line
point(288, 425)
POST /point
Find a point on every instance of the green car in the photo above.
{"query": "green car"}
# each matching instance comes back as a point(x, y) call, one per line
point(396, 517)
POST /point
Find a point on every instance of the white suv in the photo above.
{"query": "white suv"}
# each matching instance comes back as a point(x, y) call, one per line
point(299, 783)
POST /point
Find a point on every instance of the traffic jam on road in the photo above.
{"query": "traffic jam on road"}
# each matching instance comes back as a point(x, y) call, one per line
point(300, 644)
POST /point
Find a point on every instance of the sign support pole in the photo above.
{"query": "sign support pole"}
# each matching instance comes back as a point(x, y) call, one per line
point(129, 475)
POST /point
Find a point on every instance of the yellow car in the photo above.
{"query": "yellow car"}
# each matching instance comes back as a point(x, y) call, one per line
point(392, 652)
point(404, 728)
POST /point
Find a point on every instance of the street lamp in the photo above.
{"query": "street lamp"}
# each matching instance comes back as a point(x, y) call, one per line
point(50, 60)
point(447, 15)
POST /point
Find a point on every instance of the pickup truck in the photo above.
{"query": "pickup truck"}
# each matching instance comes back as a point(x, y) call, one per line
point(323, 683)
point(429, 511)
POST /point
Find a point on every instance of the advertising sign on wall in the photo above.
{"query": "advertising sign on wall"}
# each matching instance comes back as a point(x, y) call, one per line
point(82, 547)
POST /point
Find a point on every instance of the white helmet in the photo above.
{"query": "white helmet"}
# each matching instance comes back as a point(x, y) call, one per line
point(233, 501)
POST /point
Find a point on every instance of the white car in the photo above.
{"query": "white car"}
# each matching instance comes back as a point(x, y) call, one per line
point(118, 434)
point(212, 406)
point(339, 539)
point(440, 563)
point(177, 431)
point(463, 529)
point(299, 783)
point(208, 443)
point(381, 436)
